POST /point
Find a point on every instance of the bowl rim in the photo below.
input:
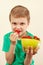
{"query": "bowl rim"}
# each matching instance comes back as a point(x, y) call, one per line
point(29, 39)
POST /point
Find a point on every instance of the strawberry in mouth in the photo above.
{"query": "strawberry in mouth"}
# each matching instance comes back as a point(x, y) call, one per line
point(18, 31)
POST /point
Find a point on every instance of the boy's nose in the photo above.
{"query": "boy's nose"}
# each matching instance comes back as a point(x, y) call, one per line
point(18, 27)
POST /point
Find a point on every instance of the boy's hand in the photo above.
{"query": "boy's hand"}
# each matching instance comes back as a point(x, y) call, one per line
point(35, 50)
point(13, 37)
point(29, 54)
point(30, 51)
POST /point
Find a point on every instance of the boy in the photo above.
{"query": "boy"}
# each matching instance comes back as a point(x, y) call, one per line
point(19, 19)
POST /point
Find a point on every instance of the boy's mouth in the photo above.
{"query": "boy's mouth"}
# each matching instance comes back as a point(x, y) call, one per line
point(18, 31)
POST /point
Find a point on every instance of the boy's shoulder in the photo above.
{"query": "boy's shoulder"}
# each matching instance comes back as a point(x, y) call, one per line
point(30, 34)
point(7, 34)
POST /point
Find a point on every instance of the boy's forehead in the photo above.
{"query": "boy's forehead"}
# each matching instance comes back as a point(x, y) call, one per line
point(23, 19)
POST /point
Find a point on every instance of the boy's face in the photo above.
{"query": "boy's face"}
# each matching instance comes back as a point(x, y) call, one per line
point(20, 24)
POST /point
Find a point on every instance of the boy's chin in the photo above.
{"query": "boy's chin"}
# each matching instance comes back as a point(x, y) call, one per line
point(22, 34)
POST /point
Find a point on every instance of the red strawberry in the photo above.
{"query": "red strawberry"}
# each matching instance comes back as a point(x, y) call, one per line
point(27, 37)
point(35, 37)
point(18, 31)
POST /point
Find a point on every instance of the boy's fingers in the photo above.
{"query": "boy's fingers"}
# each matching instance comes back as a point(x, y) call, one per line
point(27, 51)
point(14, 35)
point(30, 50)
point(35, 50)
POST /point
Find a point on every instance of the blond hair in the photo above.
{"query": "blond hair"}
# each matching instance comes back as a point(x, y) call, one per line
point(19, 11)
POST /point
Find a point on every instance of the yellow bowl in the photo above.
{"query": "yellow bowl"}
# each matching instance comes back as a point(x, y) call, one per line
point(29, 43)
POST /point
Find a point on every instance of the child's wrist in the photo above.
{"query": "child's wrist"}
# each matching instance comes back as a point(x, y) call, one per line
point(28, 56)
point(13, 42)
point(27, 61)
point(13, 46)
point(14, 49)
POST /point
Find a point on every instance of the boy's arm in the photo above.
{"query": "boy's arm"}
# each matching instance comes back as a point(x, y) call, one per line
point(27, 61)
point(10, 55)
point(29, 55)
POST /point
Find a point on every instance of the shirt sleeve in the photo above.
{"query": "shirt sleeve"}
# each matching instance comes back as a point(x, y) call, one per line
point(30, 34)
point(6, 44)
point(32, 63)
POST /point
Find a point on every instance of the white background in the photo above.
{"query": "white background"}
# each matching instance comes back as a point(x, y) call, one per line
point(35, 27)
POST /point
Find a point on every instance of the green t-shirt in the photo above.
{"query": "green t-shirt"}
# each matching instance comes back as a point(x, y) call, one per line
point(19, 53)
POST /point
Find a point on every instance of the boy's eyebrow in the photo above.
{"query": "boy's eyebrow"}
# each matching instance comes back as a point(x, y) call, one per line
point(13, 22)
point(17, 22)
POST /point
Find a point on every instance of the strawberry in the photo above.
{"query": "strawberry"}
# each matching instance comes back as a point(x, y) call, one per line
point(18, 31)
point(29, 37)
point(35, 37)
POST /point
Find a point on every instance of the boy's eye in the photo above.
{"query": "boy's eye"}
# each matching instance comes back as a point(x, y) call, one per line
point(22, 23)
point(14, 23)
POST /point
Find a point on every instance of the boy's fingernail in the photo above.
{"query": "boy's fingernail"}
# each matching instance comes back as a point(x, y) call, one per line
point(31, 51)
